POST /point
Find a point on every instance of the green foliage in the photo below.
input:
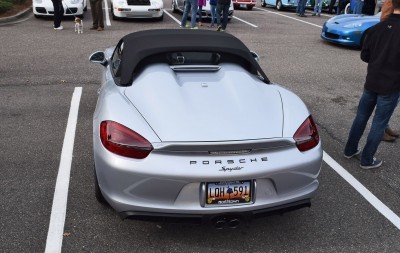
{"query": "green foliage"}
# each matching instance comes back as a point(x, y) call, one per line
point(5, 5)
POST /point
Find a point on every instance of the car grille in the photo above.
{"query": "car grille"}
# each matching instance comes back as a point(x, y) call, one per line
point(331, 35)
point(138, 2)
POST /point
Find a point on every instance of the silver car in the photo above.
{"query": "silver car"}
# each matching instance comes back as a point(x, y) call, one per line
point(188, 128)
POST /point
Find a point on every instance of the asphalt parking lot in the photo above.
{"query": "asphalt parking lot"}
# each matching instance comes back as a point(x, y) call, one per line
point(45, 77)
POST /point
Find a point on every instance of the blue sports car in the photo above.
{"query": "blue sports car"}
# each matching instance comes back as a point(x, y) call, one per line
point(348, 29)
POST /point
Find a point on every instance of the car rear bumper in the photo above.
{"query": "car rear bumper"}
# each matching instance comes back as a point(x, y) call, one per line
point(220, 219)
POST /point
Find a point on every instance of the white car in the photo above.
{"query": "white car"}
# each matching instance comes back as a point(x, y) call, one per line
point(137, 9)
point(71, 8)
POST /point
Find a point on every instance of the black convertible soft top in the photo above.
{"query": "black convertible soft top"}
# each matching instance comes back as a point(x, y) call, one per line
point(139, 46)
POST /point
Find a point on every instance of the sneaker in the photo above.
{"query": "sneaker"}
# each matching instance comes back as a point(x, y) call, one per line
point(59, 28)
point(219, 28)
point(200, 24)
point(319, 14)
point(392, 132)
point(303, 16)
point(353, 155)
point(93, 28)
point(100, 29)
point(376, 163)
point(195, 28)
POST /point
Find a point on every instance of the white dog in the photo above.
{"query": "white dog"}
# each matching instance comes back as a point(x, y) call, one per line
point(78, 25)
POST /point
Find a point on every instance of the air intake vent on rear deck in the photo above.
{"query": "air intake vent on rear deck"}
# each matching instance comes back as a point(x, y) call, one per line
point(138, 2)
point(230, 152)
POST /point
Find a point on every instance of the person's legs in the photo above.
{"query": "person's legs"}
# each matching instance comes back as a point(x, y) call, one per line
point(58, 12)
point(213, 14)
point(99, 7)
point(200, 10)
point(194, 13)
point(385, 106)
point(93, 7)
point(186, 10)
point(365, 108)
point(218, 13)
point(225, 10)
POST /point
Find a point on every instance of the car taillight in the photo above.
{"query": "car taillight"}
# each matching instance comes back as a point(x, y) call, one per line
point(306, 136)
point(122, 141)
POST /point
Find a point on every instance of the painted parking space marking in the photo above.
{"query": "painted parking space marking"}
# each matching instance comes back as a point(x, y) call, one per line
point(59, 207)
point(374, 201)
point(173, 18)
point(286, 16)
point(108, 22)
point(250, 24)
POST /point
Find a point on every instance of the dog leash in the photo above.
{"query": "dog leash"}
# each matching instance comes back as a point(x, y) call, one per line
point(69, 9)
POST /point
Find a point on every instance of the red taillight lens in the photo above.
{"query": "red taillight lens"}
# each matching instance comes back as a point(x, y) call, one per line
point(122, 141)
point(306, 136)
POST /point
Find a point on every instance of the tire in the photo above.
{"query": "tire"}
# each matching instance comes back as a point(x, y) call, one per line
point(263, 3)
point(347, 9)
point(161, 18)
point(174, 9)
point(112, 14)
point(279, 6)
point(97, 192)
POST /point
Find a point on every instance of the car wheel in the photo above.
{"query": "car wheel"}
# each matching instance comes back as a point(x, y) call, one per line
point(249, 7)
point(279, 5)
point(347, 9)
point(263, 3)
point(174, 9)
point(99, 196)
point(37, 16)
point(161, 18)
point(112, 14)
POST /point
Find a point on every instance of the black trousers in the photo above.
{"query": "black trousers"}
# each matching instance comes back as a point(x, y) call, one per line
point(58, 12)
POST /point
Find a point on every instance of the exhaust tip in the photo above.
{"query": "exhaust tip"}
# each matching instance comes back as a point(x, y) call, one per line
point(223, 222)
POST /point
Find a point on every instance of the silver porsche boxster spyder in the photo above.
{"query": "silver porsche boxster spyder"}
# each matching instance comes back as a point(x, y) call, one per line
point(188, 128)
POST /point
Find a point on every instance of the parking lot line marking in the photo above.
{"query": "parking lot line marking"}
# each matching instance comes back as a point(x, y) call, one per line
point(286, 16)
point(108, 23)
point(374, 201)
point(59, 208)
point(244, 21)
point(169, 14)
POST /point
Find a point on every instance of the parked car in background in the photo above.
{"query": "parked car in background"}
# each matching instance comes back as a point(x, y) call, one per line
point(348, 29)
point(325, 4)
point(153, 9)
point(178, 6)
point(188, 128)
point(279, 4)
point(248, 4)
point(71, 8)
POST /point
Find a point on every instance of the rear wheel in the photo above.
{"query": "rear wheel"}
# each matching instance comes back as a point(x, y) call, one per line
point(279, 5)
point(347, 9)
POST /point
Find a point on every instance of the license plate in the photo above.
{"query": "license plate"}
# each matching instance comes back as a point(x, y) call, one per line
point(243, 6)
point(229, 193)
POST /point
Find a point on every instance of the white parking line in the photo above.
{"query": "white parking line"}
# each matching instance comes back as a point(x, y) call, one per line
point(286, 16)
point(175, 19)
point(59, 208)
point(374, 201)
point(108, 23)
point(245, 21)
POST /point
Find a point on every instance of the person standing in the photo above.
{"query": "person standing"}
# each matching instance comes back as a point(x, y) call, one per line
point(213, 9)
point(332, 7)
point(200, 4)
point(223, 9)
point(317, 8)
point(301, 8)
point(381, 89)
point(190, 5)
point(97, 15)
point(58, 14)
point(359, 6)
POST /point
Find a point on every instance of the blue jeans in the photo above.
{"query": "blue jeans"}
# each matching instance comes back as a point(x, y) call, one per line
point(318, 6)
point(225, 12)
point(385, 105)
point(301, 6)
point(190, 5)
point(359, 6)
point(213, 9)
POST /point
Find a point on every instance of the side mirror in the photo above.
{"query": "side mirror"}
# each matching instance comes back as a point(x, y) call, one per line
point(255, 56)
point(98, 57)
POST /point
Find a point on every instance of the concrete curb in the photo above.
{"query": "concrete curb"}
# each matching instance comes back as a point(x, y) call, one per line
point(17, 16)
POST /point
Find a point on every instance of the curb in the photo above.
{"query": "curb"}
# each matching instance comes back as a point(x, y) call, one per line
point(17, 16)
